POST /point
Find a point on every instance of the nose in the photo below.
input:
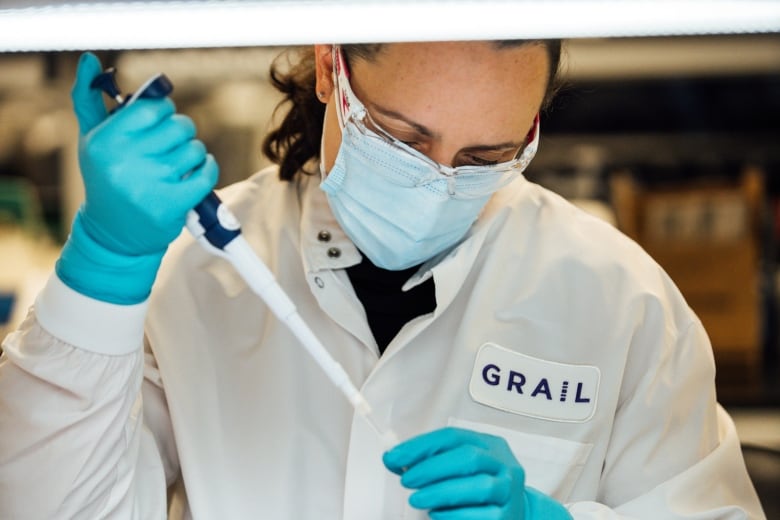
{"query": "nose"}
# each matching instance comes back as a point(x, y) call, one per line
point(441, 153)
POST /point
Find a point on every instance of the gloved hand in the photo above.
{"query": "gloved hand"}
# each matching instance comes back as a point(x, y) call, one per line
point(143, 170)
point(462, 474)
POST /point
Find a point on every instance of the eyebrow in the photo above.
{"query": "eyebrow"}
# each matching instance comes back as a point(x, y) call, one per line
point(423, 130)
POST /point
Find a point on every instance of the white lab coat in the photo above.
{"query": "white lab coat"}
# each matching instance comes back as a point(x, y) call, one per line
point(539, 294)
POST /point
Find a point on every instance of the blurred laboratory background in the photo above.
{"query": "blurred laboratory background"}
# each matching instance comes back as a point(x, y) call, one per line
point(674, 140)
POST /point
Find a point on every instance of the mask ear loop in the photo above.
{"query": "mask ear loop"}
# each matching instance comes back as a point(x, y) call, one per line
point(530, 149)
point(344, 96)
point(534, 131)
point(323, 173)
point(341, 97)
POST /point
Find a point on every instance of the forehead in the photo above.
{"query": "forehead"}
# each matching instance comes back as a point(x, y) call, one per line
point(473, 61)
point(438, 83)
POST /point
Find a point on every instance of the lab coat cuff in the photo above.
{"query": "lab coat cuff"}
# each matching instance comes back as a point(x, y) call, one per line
point(89, 324)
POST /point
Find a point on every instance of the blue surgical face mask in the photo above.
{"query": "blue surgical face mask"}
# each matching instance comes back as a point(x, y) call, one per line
point(397, 206)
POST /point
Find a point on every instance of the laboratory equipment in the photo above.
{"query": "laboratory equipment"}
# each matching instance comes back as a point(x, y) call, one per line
point(213, 225)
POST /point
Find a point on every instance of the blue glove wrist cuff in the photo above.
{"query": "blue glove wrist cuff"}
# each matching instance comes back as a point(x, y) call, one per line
point(92, 270)
point(540, 506)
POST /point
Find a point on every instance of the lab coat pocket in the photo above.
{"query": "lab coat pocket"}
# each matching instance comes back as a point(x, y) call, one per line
point(552, 465)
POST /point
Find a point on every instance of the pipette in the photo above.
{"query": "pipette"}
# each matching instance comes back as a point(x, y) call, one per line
point(213, 225)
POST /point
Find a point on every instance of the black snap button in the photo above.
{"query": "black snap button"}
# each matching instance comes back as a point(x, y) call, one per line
point(334, 252)
point(323, 236)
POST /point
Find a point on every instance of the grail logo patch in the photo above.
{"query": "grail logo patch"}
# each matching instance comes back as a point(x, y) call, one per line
point(530, 386)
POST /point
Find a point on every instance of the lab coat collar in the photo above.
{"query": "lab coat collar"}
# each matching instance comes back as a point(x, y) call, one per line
point(450, 268)
point(323, 243)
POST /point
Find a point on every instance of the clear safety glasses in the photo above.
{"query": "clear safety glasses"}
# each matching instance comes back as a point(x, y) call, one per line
point(461, 181)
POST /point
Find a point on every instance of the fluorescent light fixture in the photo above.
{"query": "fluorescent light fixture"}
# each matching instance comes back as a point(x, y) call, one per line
point(44, 26)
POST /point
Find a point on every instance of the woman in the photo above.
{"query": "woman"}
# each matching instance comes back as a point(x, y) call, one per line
point(537, 363)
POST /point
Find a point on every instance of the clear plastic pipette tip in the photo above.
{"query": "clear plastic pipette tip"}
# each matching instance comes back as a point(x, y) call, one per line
point(387, 435)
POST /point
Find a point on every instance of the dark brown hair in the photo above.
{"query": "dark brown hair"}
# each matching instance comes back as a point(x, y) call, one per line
point(297, 138)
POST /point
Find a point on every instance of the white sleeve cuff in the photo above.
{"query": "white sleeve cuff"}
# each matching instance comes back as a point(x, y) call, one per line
point(89, 324)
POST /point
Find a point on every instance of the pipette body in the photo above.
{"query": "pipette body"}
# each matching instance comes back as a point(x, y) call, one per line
point(213, 225)
point(223, 238)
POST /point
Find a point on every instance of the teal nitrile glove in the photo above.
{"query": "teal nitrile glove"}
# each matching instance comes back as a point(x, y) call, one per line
point(463, 475)
point(143, 170)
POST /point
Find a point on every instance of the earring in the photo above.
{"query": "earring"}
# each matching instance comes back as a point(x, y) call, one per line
point(321, 94)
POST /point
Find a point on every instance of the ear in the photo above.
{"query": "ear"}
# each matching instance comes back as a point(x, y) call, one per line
point(323, 58)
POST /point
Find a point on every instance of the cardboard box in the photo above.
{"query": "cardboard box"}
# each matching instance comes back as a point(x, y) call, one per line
point(706, 237)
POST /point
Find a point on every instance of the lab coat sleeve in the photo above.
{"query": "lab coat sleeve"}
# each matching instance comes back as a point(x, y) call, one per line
point(73, 443)
point(674, 452)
